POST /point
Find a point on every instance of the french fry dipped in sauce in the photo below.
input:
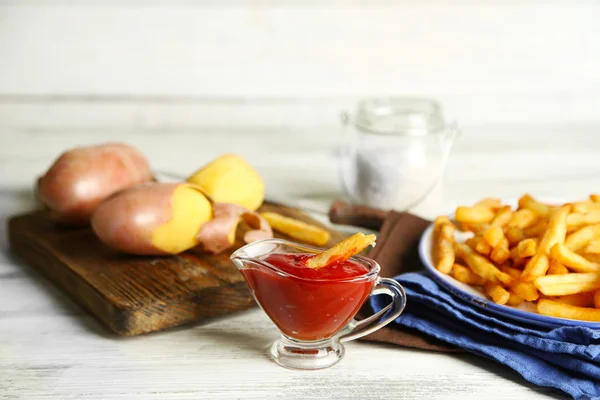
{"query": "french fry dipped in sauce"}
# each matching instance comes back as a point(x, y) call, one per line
point(341, 251)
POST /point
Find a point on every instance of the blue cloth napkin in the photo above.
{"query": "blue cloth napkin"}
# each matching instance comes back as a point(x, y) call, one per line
point(566, 358)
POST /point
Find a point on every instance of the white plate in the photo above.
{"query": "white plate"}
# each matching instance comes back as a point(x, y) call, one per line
point(525, 312)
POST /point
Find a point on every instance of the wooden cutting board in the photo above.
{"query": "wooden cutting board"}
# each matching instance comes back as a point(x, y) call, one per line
point(135, 294)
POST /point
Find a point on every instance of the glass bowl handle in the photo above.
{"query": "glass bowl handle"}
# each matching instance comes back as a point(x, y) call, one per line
point(390, 312)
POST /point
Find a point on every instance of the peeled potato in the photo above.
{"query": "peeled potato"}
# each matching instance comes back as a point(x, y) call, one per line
point(230, 179)
point(82, 177)
point(153, 218)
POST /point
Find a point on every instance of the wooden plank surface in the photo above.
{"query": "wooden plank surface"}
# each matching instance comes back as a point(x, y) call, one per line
point(135, 294)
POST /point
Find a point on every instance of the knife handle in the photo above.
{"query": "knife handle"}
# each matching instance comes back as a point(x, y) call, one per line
point(343, 213)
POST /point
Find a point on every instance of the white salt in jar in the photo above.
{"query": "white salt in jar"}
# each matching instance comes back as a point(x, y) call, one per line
point(394, 151)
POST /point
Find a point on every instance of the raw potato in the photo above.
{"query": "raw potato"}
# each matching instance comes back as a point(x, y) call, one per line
point(81, 178)
point(230, 179)
point(153, 219)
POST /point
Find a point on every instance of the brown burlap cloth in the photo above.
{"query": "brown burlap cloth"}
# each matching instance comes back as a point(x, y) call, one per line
point(396, 252)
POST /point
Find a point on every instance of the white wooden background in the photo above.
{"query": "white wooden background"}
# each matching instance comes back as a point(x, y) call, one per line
point(185, 80)
point(488, 61)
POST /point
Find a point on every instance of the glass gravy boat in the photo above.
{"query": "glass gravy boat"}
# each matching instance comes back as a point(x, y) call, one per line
point(314, 316)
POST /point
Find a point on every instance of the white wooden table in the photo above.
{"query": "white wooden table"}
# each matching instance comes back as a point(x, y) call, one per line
point(52, 348)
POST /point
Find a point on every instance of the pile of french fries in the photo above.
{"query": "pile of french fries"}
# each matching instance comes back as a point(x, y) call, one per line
point(546, 254)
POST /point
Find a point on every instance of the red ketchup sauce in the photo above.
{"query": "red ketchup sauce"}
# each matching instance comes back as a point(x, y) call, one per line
point(309, 304)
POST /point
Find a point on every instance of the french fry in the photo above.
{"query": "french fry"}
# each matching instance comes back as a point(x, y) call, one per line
point(562, 285)
point(523, 218)
point(593, 247)
point(514, 235)
point(490, 202)
point(443, 247)
point(474, 215)
point(584, 299)
point(477, 229)
point(527, 248)
point(441, 220)
point(536, 266)
point(514, 272)
point(526, 290)
point(557, 268)
point(515, 300)
point(481, 266)
point(595, 258)
point(572, 260)
point(517, 260)
point(576, 220)
point(496, 292)
point(541, 253)
point(493, 236)
point(537, 229)
point(472, 242)
point(502, 218)
point(555, 309)
point(482, 246)
point(465, 275)
point(586, 207)
point(581, 237)
point(342, 251)
point(532, 204)
point(500, 254)
point(556, 232)
point(297, 229)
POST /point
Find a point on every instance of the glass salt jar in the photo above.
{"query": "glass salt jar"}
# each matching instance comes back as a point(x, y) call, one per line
point(394, 151)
